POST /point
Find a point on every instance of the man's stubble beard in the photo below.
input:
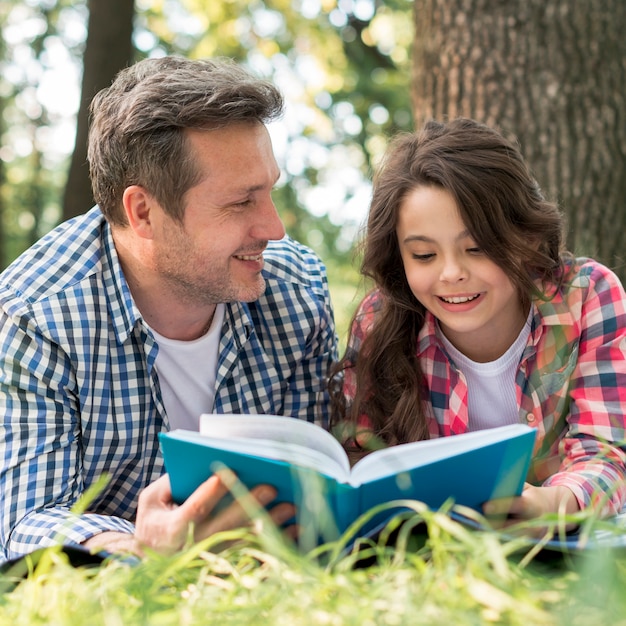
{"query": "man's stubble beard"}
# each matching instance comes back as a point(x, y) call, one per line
point(212, 289)
point(178, 268)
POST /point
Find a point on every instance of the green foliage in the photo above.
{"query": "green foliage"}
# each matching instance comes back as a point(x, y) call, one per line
point(342, 65)
point(33, 175)
point(347, 84)
point(346, 290)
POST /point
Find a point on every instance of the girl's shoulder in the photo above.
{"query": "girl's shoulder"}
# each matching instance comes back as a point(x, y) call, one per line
point(590, 275)
point(367, 312)
point(372, 302)
point(585, 284)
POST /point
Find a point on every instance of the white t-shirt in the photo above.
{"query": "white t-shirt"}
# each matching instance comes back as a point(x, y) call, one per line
point(492, 399)
point(187, 372)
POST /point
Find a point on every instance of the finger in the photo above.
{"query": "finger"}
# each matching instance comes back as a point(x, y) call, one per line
point(157, 493)
point(199, 505)
point(282, 513)
point(519, 508)
point(499, 507)
point(263, 494)
point(235, 515)
point(505, 512)
point(292, 532)
point(157, 525)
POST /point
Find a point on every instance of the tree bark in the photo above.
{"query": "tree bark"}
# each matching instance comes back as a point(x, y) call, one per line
point(551, 73)
point(108, 50)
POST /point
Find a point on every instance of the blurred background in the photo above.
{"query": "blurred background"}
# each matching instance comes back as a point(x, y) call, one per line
point(354, 73)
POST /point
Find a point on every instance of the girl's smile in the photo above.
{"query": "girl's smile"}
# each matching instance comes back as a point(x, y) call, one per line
point(460, 302)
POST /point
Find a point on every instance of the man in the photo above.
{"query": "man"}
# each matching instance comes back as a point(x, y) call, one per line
point(178, 294)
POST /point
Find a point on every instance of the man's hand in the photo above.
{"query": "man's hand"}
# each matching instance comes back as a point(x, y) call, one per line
point(113, 541)
point(163, 526)
point(533, 503)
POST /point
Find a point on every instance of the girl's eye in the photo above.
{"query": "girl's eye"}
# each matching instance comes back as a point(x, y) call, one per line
point(423, 257)
point(475, 250)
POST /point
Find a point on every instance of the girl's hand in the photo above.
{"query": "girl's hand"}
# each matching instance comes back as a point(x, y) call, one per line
point(533, 503)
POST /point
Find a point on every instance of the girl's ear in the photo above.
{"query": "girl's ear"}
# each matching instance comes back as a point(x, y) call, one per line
point(139, 206)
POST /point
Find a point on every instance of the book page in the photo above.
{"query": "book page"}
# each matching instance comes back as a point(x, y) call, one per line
point(296, 455)
point(304, 438)
point(390, 461)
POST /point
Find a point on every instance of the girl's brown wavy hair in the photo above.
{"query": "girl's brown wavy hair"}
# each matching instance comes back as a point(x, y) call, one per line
point(504, 210)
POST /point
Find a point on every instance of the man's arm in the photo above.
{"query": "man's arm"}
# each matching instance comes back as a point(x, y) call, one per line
point(40, 444)
point(41, 455)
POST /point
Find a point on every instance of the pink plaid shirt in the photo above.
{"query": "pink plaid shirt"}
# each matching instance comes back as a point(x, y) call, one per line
point(570, 384)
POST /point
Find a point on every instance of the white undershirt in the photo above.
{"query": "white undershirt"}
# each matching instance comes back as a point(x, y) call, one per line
point(492, 398)
point(187, 372)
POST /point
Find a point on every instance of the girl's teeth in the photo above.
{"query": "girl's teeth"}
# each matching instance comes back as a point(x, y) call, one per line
point(460, 299)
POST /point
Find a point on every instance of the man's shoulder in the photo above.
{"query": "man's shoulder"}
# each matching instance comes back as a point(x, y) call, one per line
point(65, 256)
point(288, 260)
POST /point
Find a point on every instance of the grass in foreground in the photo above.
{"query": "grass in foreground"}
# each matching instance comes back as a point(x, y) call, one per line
point(453, 575)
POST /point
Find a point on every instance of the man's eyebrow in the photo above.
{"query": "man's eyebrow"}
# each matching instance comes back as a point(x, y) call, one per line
point(258, 187)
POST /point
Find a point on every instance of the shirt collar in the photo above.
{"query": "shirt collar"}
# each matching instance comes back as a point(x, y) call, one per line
point(123, 311)
point(554, 311)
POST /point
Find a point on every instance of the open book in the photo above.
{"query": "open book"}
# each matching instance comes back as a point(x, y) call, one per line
point(310, 468)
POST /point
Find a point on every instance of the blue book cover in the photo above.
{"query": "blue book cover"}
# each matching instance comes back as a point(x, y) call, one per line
point(309, 467)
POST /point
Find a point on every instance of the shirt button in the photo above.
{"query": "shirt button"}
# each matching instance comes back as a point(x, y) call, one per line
point(530, 417)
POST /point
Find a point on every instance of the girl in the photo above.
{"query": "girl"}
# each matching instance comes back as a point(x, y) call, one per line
point(479, 318)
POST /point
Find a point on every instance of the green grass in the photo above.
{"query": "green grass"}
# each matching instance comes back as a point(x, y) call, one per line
point(451, 576)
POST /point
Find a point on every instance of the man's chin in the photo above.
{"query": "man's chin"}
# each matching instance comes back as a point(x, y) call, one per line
point(254, 292)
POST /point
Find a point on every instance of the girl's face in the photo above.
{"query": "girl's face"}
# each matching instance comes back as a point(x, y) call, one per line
point(477, 306)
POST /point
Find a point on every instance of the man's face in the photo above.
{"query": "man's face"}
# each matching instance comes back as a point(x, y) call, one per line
point(216, 254)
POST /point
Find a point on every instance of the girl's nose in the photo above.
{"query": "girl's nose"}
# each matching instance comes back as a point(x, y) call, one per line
point(453, 270)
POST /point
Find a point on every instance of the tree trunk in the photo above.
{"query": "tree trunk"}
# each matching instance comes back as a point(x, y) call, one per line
point(108, 50)
point(551, 73)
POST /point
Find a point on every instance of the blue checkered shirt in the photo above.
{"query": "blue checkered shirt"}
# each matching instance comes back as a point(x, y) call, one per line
point(79, 394)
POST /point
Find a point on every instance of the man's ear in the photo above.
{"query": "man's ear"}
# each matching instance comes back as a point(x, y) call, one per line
point(140, 207)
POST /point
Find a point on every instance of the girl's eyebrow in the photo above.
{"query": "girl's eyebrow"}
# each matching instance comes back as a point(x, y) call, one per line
point(418, 238)
point(462, 235)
